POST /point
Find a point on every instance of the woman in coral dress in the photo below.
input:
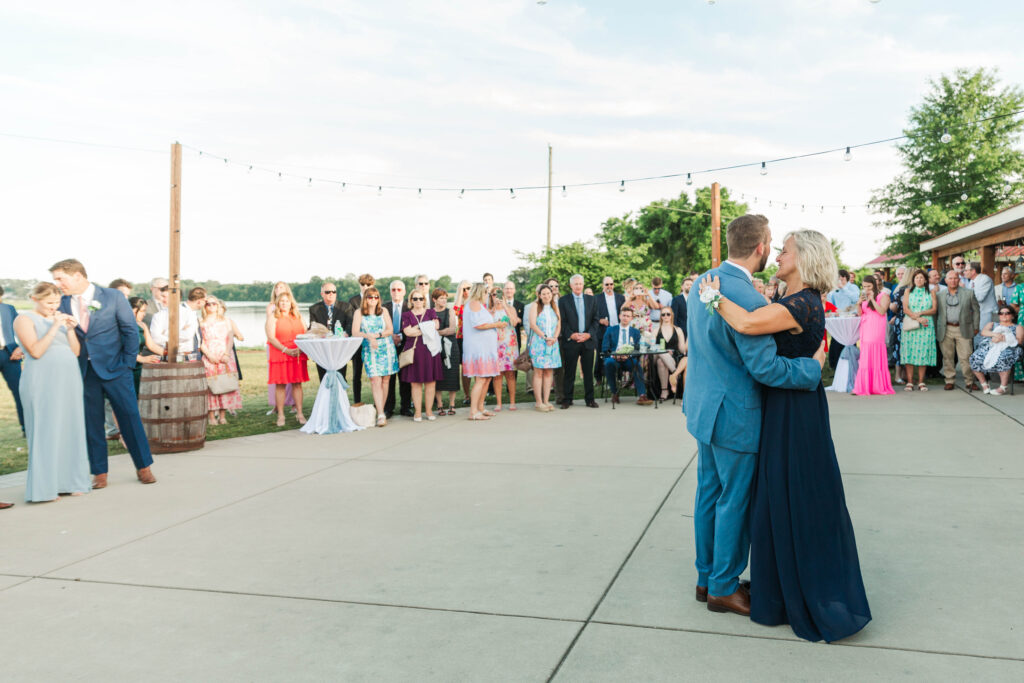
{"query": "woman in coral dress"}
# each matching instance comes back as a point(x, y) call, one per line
point(287, 363)
point(873, 373)
point(219, 359)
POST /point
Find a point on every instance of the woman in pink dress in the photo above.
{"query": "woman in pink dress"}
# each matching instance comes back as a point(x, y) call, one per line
point(508, 350)
point(219, 359)
point(873, 372)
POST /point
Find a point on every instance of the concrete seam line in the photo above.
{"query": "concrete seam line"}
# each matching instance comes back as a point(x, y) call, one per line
point(992, 407)
point(26, 579)
point(800, 641)
point(928, 476)
point(629, 556)
point(305, 598)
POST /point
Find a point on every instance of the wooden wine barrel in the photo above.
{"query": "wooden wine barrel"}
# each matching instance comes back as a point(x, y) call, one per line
point(172, 403)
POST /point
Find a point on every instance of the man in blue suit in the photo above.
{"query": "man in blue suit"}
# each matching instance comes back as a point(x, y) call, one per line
point(110, 343)
point(10, 355)
point(722, 404)
point(615, 337)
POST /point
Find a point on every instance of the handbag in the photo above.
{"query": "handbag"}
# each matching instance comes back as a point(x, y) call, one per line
point(523, 362)
point(222, 384)
point(363, 414)
point(407, 357)
point(910, 324)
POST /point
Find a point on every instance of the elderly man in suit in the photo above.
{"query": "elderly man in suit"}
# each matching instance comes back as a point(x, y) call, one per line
point(110, 342)
point(722, 404)
point(579, 340)
point(955, 326)
point(332, 314)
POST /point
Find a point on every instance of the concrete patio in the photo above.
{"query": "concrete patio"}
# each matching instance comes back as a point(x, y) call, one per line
point(532, 547)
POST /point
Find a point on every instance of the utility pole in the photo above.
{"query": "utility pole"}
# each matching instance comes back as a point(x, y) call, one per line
point(549, 195)
point(716, 225)
point(174, 280)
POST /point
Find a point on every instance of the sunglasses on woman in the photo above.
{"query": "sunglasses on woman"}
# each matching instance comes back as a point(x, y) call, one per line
point(373, 296)
point(418, 298)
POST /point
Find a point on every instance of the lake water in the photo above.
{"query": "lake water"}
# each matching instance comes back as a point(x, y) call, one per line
point(251, 316)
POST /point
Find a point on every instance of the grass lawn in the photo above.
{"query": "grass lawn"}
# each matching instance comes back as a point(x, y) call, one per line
point(251, 419)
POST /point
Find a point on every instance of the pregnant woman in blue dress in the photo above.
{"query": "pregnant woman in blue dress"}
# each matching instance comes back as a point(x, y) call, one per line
point(804, 568)
point(51, 392)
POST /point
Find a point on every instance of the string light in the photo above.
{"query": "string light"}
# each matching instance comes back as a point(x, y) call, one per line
point(343, 187)
point(946, 137)
point(564, 192)
point(279, 178)
point(847, 156)
point(689, 180)
point(622, 186)
point(927, 202)
point(844, 209)
point(963, 197)
point(512, 192)
point(250, 169)
point(380, 190)
point(419, 193)
point(462, 193)
point(764, 169)
point(310, 183)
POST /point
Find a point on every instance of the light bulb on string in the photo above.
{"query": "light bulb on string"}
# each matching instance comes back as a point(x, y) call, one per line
point(279, 178)
point(844, 209)
point(310, 183)
point(963, 197)
point(769, 203)
point(622, 186)
point(822, 209)
point(462, 193)
point(946, 137)
point(250, 169)
point(689, 180)
point(927, 202)
point(847, 156)
point(801, 208)
point(512, 193)
point(380, 190)
point(419, 193)
point(764, 169)
point(564, 193)
point(200, 152)
point(343, 187)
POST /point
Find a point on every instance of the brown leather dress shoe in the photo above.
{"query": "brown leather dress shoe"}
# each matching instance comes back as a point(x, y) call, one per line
point(948, 387)
point(737, 603)
point(615, 398)
point(644, 401)
point(99, 481)
point(702, 591)
point(146, 476)
point(4, 506)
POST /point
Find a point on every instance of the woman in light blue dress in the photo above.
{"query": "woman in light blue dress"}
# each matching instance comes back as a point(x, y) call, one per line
point(545, 326)
point(51, 392)
point(380, 360)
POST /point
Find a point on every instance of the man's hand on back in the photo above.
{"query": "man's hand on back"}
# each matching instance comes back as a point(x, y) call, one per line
point(820, 355)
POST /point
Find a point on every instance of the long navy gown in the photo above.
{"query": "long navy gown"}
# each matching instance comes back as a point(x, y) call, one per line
point(804, 569)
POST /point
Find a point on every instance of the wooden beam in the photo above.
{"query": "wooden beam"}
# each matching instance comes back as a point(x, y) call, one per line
point(716, 225)
point(174, 280)
point(936, 263)
point(988, 261)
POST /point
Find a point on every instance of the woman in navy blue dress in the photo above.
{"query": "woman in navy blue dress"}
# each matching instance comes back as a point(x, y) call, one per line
point(804, 568)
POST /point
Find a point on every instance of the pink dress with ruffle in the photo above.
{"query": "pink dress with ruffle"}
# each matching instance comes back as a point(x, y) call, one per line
point(873, 371)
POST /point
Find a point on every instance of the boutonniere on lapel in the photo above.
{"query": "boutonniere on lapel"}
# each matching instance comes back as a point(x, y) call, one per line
point(94, 306)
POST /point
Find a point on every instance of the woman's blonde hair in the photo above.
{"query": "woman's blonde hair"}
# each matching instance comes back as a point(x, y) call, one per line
point(460, 298)
point(817, 261)
point(218, 312)
point(287, 288)
point(293, 309)
point(478, 293)
point(44, 290)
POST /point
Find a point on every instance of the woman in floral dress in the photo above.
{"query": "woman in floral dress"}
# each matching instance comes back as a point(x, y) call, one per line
point(507, 348)
point(641, 312)
point(545, 326)
point(1016, 299)
point(917, 347)
point(219, 359)
point(380, 360)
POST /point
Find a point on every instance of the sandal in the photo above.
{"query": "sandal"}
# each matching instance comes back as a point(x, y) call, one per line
point(909, 387)
point(478, 416)
point(381, 421)
point(1000, 391)
point(280, 421)
point(451, 411)
point(431, 418)
point(512, 407)
point(921, 386)
point(487, 413)
point(985, 388)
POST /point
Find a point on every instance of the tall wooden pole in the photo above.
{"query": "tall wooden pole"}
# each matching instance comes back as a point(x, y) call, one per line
point(174, 280)
point(549, 196)
point(716, 225)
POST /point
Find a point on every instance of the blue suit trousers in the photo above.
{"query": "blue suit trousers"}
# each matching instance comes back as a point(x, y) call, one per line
point(11, 370)
point(721, 516)
point(121, 392)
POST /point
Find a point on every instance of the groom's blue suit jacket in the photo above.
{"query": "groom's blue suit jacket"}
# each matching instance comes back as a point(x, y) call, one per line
point(112, 342)
point(722, 400)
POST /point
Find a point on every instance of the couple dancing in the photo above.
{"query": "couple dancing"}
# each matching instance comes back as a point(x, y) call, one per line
point(769, 484)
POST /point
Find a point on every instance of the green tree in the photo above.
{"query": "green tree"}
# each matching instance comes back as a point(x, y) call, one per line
point(979, 160)
point(675, 234)
point(592, 262)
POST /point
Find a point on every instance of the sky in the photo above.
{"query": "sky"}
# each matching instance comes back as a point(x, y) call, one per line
point(455, 94)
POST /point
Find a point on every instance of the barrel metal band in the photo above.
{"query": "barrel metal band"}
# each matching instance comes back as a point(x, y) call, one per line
point(182, 394)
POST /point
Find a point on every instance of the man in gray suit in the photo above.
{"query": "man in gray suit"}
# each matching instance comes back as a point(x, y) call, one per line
point(984, 292)
point(955, 327)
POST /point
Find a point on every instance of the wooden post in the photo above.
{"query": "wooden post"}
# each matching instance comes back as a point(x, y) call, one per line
point(174, 280)
point(936, 262)
point(716, 226)
point(549, 196)
point(988, 261)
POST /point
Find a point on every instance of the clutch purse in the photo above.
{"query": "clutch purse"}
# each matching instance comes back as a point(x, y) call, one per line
point(222, 384)
point(910, 324)
point(363, 414)
point(407, 357)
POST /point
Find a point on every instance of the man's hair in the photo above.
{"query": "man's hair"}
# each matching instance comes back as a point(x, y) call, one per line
point(975, 266)
point(626, 307)
point(136, 302)
point(327, 283)
point(745, 233)
point(575, 277)
point(1, 291)
point(843, 272)
point(69, 266)
point(487, 275)
point(159, 282)
point(366, 280)
point(119, 282)
point(396, 282)
point(656, 281)
point(196, 293)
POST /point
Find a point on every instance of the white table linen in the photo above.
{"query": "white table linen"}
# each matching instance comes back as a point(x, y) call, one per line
point(846, 331)
point(330, 353)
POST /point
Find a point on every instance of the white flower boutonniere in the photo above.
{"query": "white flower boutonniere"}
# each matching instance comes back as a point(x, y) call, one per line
point(95, 306)
point(710, 298)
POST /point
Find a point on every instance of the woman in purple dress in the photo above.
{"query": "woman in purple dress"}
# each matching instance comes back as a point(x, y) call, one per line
point(425, 370)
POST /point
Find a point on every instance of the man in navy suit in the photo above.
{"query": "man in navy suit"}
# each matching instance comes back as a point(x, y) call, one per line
point(608, 305)
point(722, 404)
point(614, 338)
point(11, 355)
point(110, 342)
point(579, 340)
